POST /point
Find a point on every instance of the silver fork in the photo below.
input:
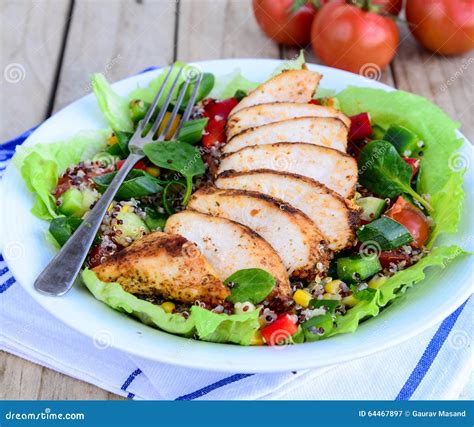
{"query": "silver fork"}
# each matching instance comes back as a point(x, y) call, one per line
point(59, 275)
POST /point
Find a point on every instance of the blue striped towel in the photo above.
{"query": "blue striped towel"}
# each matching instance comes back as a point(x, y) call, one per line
point(434, 365)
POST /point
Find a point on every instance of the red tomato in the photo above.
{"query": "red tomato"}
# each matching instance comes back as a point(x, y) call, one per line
point(360, 127)
point(279, 22)
point(412, 219)
point(442, 26)
point(348, 37)
point(282, 328)
point(393, 257)
point(393, 7)
point(139, 165)
point(415, 165)
point(217, 112)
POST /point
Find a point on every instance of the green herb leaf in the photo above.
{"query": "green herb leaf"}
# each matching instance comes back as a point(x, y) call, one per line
point(154, 219)
point(330, 304)
point(366, 294)
point(383, 171)
point(137, 184)
point(62, 228)
point(252, 285)
point(120, 148)
point(192, 130)
point(177, 156)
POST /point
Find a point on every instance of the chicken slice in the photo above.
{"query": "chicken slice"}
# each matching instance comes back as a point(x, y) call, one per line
point(167, 265)
point(335, 169)
point(295, 238)
point(288, 86)
point(334, 216)
point(230, 246)
point(259, 115)
point(324, 131)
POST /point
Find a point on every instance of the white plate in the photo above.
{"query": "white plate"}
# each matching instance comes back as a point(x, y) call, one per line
point(27, 253)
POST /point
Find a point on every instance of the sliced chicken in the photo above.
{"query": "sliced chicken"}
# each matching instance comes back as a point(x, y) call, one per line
point(334, 216)
point(324, 131)
point(288, 86)
point(295, 238)
point(335, 169)
point(259, 115)
point(167, 265)
point(230, 246)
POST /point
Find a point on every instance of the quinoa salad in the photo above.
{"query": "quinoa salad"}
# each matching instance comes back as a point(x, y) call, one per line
point(284, 212)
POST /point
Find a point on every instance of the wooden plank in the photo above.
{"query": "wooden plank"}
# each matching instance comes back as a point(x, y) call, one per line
point(31, 34)
point(447, 81)
point(213, 29)
point(117, 39)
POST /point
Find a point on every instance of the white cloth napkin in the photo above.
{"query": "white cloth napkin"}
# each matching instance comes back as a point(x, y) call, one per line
point(434, 365)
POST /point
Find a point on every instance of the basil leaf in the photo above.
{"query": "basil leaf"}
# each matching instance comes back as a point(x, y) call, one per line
point(383, 171)
point(62, 228)
point(177, 156)
point(252, 285)
point(137, 184)
point(330, 304)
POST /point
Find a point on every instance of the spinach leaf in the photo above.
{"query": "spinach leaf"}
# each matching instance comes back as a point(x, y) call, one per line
point(177, 156)
point(383, 171)
point(137, 184)
point(154, 219)
point(62, 228)
point(252, 284)
point(329, 304)
point(207, 83)
point(120, 148)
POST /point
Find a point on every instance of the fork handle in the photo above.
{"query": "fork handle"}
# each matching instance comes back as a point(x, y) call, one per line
point(58, 277)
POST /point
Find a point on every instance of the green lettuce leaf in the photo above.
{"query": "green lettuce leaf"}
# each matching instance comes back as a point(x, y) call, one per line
point(438, 178)
point(42, 164)
point(290, 64)
point(209, 326)
point(113, 106)
point(394, 287)
point(226, 85)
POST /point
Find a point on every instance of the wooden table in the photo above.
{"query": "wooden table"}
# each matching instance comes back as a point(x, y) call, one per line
point(56, 44)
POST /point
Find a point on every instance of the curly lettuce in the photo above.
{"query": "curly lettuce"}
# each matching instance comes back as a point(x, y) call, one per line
point(208, 326)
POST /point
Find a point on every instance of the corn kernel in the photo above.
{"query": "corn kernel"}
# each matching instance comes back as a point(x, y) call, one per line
point(302, 297)
point(168, 306)
point(376, 282)
point(153, 171)
point(327, 295)
point(333, 287)
point(109, 209)
point(257, 339)
point(350, 300)
point(125, 209)
point(173, 127)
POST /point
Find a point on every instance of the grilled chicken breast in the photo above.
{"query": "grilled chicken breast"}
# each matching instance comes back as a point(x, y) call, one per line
point(324, 131)
point(288, 86)
point(264, 114)
point(230, 246)
point(167, 265)
point(333, 215)
point(295, 238)
point(335, 169)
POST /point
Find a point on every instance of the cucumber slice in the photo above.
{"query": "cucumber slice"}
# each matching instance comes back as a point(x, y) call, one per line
point(131, 228)
point(385, 232)
point(357, 267)
point(405, 141)
point(372, 207)
point(76, 203)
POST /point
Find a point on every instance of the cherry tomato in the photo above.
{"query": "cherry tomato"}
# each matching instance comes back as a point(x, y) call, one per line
point(217, 112)
point(393, 257)
point(279, 22)
point(442, 26)
point(139, 165)
point(348, 37)
point(282, 328)
point(392, 7)
point(412, 219)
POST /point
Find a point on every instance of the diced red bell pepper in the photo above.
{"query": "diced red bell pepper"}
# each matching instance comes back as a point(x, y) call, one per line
point(360, 127)
point(415, 165)
point(139, 165)
point(282, 328)
point(314, 102)
point(217, 112)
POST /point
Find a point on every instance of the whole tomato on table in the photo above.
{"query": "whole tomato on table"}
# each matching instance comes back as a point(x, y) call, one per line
point(350, 36)
point(442, 26)
point(286, 21)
